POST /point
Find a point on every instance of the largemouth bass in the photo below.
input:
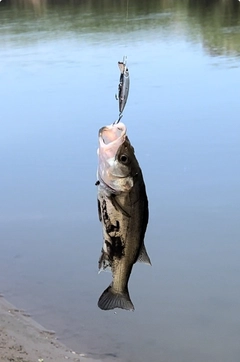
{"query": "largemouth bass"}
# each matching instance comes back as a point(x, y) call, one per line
point(123, 211)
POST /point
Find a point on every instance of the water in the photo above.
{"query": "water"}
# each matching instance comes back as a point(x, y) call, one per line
point(58, 77)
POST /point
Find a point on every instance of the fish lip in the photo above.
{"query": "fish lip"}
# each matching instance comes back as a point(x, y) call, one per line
point(113, 128)
point(106, 185)
point(110, 189)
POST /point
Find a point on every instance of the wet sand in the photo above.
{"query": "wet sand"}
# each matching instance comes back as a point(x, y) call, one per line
point(24, 340)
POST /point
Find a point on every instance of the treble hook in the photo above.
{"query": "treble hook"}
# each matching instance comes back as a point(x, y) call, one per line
point(119, 118)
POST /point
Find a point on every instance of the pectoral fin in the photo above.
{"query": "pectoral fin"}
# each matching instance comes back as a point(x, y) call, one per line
point(143, 256)
point(117, 206)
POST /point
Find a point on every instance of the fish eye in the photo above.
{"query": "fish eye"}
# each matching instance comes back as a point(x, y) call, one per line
point(124, 158)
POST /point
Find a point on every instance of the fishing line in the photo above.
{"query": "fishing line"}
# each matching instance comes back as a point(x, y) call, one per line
point(127, 13)
point(124, 81)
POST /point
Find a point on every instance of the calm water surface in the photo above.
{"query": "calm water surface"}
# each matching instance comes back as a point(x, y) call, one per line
point(58, 78)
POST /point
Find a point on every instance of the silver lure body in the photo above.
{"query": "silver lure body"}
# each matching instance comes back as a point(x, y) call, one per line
point(123, 87)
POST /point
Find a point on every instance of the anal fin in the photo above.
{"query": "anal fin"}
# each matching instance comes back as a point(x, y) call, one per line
point(104, 263)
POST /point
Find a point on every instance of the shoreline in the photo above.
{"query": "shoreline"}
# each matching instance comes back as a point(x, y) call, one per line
point(24, 340)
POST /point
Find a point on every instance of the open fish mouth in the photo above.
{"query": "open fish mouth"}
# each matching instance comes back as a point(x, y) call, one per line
point(112, 136)
point(111, 171)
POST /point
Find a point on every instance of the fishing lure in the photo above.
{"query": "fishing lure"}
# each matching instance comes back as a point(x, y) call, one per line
point(123, 87)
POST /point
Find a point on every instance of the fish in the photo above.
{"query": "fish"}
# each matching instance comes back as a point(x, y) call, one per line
point(123, 87)
point(123, 212)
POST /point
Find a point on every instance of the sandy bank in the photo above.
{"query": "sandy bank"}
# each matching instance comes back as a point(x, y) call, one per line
point(24, 340)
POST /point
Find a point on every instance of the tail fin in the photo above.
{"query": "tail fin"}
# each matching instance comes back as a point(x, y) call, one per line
point(111, 299)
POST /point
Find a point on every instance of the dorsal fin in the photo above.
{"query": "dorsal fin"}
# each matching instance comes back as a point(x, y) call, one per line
point(143, 256)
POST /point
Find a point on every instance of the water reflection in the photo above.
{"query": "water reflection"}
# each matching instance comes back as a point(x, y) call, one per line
point(39, 6)
point(216, 23)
